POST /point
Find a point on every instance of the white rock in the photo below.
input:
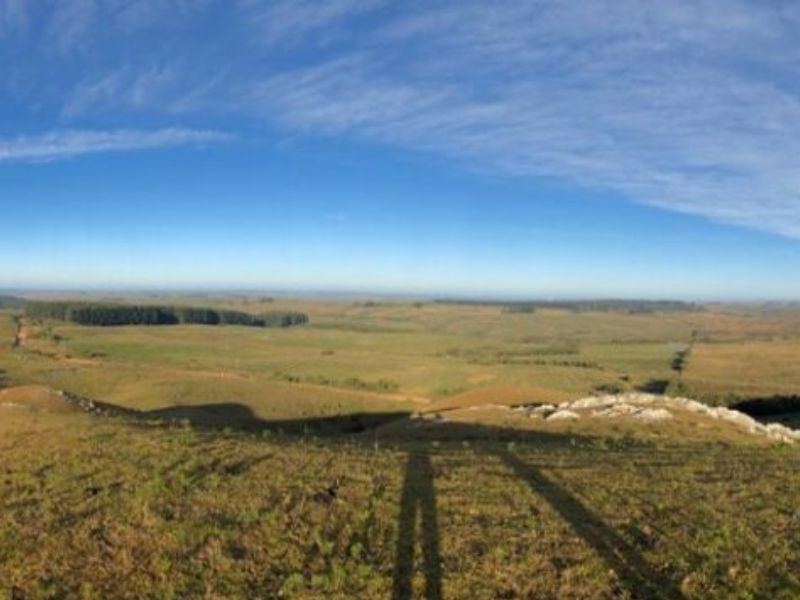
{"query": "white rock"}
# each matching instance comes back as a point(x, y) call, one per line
point(620, 410)
point(653, 414)
point(563, 414)
point(591, 402)
point(653, 408)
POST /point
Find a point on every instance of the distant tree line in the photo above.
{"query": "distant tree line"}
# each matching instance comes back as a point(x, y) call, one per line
point(102, 314)
point(11, 302)
point(629, 306)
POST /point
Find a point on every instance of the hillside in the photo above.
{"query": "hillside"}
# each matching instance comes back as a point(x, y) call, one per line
point(112, 507)
point(181, 462)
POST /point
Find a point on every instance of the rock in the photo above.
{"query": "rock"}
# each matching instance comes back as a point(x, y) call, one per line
point(654, 408)
point(653, 414)
point(618, 410)
point(592, 402)
point(563, 414)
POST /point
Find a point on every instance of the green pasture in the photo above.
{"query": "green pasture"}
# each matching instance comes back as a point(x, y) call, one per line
point(356, 352)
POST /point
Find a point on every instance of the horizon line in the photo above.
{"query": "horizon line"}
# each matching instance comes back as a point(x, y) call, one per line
point(366, 294)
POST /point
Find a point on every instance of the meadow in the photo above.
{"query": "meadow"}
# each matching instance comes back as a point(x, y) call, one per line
point(365, 455)
point(419, 353)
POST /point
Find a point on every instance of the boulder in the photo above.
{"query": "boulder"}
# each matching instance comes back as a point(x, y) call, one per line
point(562, 415)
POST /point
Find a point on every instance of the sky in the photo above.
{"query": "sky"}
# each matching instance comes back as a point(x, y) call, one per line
point(525, 149)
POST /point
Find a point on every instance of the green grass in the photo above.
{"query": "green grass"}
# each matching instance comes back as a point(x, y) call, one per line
point(481, 504)
point(99, 508)
point(434, 350)
point(744, 369)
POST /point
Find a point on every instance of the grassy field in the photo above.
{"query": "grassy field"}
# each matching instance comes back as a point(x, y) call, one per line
point(252, 463)
point(417, 353)
point(101, 508)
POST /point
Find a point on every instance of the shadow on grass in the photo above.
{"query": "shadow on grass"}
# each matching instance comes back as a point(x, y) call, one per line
point(635, 574)
point(418, 498)
point(221, 467)
point(772, 409)
point(239, 417)
point(653, 386)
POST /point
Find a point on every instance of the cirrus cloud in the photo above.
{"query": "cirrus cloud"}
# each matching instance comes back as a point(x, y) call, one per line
point(62, 144)
point(691, 105)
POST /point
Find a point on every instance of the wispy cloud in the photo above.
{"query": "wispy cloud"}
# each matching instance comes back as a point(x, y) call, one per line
point(70, 22)
point(13, 17)
point(293, 20)
point(65, 144)
point(693, 106)
point(690, 107)
point(124, 88)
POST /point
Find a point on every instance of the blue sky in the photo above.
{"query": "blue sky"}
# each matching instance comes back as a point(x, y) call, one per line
point(526, 149)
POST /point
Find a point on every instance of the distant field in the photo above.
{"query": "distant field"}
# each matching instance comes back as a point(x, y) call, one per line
point(402, 352)
point(744, 369)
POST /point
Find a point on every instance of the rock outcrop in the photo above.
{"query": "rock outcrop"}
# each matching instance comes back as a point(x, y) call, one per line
point(654, 408)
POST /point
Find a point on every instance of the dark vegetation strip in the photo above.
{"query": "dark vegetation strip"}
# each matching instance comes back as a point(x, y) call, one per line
point(107, 314)
point(628, 306)
point(526, 356)
point(12, 302)
point(496, 353)
point(355, 383)
point(679, 359)
point(511, 360)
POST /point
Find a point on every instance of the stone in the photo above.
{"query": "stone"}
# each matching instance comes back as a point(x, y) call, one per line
point(653, 414)
point(563, 414)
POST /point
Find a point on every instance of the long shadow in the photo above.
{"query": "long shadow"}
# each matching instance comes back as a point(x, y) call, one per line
point(654, 386)
point(231, 415)
point(783, 409)
point(635, 574)
point(418, 498)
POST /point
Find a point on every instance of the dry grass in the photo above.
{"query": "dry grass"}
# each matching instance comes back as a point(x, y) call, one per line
point(749, 368)
point(100, 508)
point(482, 503)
